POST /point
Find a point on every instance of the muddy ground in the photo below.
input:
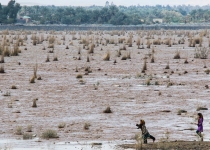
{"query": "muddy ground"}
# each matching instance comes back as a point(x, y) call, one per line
point(62, 98)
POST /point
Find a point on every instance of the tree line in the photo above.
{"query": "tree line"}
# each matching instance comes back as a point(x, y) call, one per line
point(108, 14)
point(8, 14)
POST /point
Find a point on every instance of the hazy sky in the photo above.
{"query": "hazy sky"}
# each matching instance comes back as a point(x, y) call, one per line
point(102, 2)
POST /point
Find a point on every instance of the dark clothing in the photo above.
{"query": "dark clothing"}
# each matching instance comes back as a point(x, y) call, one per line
point(148, 136)
point(145, 134)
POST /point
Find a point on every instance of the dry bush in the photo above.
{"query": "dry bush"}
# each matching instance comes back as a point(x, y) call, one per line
point(62, 125)
point(15, 51)
point(198, 40)
point(27, 136)
point(186, 62)
point(157, 42)
point(111, 41)
point(86, 126)
point(34, 42)
point(121, 40)
point(88, 59)
point(18, 130)
point(207, 71)
point(51, 46)
point(144, 67)
point(55, 58)
point(152, 59)
point(2, 58)
point(128, 55)
point(147, 82)
point(107, 56)
point(34, 102)
point(47, 59)
point(107, 110)
point(2, 69)
point(79, 50)
point(138, 43)
point(123, 47)
point(148, 43)
point(49, 133)
point(67, 47)
point(29, 128)
point(32, 80)
point(118, 53)
point(13, 87)
point(51, 40)
point(6, 51)
point(129, 41)
point(167, 66)
point(79, 76)
point(91, 48)
point(124, 57)
point(201, 52)
point(181, 41)
point(177, 55)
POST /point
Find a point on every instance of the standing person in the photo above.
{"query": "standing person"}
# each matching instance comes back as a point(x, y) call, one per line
point(145, 133)
point(200, 125)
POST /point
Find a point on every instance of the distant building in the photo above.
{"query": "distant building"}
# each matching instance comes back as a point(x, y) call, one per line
point(141, 20)
point(158, 20)
point(26, 18)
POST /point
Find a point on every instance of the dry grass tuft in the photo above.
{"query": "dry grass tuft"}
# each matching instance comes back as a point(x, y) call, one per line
point(29, 128)
point(27, 136)
point(47, 59)
point(79, 76)
point(107, 110)
point(86, 126)
point(106, 56)
point(177, 55)
point(62, 125)
point(49, 134)
point(18, 130)
point(2, 58)
point(144, 67)
point(34, 102)
point(13, 87)
point(55, 58)
point(167, 66)
point(32, 80)
point(2, 69)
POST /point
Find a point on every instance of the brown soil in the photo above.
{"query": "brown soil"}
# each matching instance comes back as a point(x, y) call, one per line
point(170, 145)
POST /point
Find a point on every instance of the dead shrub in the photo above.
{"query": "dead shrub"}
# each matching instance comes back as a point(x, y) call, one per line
point(13, 87)
point(2, 58)
point(18, 130)
point(62, 125)
point(55, 58)
point(107, 110)
point(32, 80)
point(34, 102)
point(27, 136)
point(167, 66)
point(201, 52)
point(79, 76)
point(106, 56)
point(49, 134)
point(47, 59)
point(177, 55)
point(29, 128)
point(2, 69)
point(144, 67)
point(86, 126)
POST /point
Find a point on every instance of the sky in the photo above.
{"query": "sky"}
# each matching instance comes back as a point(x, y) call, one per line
point(102, 2)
